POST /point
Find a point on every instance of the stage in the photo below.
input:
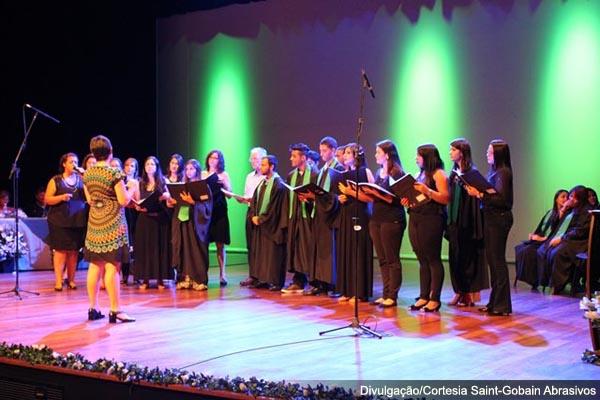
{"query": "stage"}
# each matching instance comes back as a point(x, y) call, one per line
point(244, 332)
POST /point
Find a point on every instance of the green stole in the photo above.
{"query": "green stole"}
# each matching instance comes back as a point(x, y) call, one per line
point(184, 213)
point(545, 223)
point(264, 203)
point(305, 181)
point(453, 212)
point(564, 225)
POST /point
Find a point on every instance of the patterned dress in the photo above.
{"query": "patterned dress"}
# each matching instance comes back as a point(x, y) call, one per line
point(107, 238)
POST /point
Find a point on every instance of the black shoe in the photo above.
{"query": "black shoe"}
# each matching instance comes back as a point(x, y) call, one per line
point(223, 282)
point(484, 309)
point(493, 313)
point(260, 285)
point(94, 314)
point(115, 316)
point(274, 288)
point(415, 307)
point(314, 291)
point(333, 294)
point(248, 282)
point(436, 309)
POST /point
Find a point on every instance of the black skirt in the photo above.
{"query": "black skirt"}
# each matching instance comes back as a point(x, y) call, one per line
point(65, 238)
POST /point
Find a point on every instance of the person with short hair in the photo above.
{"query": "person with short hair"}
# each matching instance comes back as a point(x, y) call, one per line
point(107, 239)
point(39, 208)
point(326, 209)
point(300, 241)
point(269, 219)
point(253, 179)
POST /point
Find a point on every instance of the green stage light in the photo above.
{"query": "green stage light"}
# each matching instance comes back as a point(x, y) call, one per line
point(225, 121)
point(426, 101)
point(567, 127)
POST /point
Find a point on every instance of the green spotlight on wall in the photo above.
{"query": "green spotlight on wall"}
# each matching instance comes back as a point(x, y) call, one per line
point(426, 102)
point(567, 145)
point(225, 119)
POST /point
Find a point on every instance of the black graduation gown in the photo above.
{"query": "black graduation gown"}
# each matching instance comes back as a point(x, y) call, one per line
point(153, 243)
point(189, 240)
point(354, 250)
point(466, 252)
point(561, 259)
point(300, 241)
point(327, 208)
point(267, 251)
point(526, 252)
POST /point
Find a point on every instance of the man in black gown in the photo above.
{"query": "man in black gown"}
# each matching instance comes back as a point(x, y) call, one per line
point(269, 218)
point(326, 210)
point(300, 242)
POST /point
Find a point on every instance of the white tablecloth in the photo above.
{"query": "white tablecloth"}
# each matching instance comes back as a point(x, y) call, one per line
point(35, 231)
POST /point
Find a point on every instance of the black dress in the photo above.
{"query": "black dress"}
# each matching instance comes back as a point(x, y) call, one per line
point(354, 249)
point(152, 243)
point(67, 220)
point(218, 232)
point(465, 236)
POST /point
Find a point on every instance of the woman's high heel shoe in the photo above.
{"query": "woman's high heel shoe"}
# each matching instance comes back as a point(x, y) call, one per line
point(94, 314)
point(415, 307)
point(435, 309)
point(455, 300)
point(115, 316)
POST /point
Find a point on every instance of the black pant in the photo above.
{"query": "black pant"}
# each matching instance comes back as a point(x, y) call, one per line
point(496, 226)
point(387, 239)
point(425, 232)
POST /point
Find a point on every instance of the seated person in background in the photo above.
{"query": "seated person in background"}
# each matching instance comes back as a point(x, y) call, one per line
point(557, 256)
point(5, 210)
point(39, 208)
point(593, 199)
point(526, 252)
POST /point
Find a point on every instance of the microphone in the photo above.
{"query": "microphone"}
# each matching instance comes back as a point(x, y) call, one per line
point(79, 170)
point(367, 83)
point(37, 110)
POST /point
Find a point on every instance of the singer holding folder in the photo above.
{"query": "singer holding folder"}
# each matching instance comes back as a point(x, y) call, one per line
point(426, 226)
point(388, 222)
point(189, 232)
point(153, 229)
point(497, 221)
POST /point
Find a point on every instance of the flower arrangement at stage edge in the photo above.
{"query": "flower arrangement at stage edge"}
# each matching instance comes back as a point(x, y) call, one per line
point(8, 242)
point(133, 373)
point(591, 309)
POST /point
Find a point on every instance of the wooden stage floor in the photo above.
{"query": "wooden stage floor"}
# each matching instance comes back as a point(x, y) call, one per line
point(242, 332)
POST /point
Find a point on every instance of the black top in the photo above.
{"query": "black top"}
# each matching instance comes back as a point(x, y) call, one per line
point(431, 207)
point(218, 197)
point(502, 200)
point(72, 213)
point(384, 211)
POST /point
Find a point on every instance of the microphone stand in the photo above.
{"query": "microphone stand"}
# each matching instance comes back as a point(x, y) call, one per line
point(14, 175)
point(355, 324)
